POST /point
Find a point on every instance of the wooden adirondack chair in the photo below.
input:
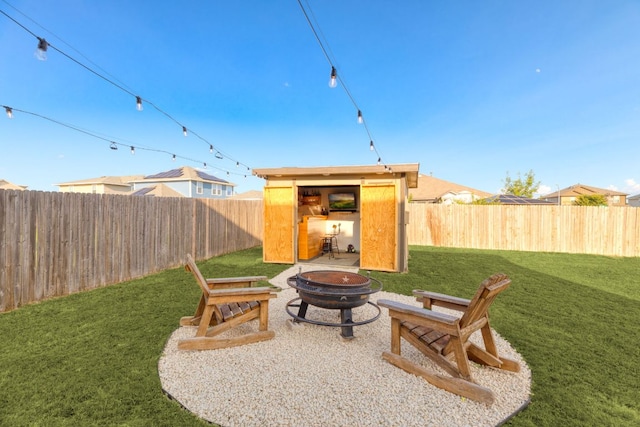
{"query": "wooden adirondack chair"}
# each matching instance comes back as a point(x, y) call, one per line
point(224, 304)
point(445, 338)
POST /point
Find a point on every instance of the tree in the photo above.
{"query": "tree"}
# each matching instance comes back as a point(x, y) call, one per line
point(522, 187)
point(591, 200)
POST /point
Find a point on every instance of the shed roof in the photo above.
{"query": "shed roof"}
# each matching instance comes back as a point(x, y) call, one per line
point(410, 170)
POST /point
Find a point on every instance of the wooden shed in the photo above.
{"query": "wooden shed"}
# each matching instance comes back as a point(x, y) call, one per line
point(367, 203)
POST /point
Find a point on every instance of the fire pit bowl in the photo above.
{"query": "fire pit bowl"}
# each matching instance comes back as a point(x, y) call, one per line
point(335, 290)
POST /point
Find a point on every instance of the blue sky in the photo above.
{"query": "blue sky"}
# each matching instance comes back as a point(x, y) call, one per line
point(471, 90)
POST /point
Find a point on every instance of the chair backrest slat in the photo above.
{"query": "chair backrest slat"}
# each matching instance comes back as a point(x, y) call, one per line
point(481, 301)
point(193, 268)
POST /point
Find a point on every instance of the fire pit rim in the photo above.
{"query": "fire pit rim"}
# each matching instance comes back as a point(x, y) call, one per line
point(320, 289)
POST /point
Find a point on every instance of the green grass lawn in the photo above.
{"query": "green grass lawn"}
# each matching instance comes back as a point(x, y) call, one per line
point(91, 358)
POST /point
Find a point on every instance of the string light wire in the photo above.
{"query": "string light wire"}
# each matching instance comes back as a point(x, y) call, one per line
point(122, 87)
point(326, 50)
point(113, 145)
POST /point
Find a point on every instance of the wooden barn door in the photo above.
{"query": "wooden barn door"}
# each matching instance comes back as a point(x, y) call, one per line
point(379, 227)
point(278, 241)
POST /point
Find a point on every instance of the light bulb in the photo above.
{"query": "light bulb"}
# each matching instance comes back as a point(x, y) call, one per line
point(138, 103)
point(184, 130)
point(205, 165)
point(41, 51)
point(9, 112)
point(371, 146)
point(218, 155)
point(210, 148)
point(173, 158)
point(378, 161)
point(133, 150)
point(237, 164)
point(333, 81)
point(113, 146)
point(360, 120)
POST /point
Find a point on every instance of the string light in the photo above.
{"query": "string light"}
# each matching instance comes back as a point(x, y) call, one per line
point(43, 45)
point(334, 77)
point(41, 51)
point(114, 145)
point(333, 80)
point(9, 112)
point(210, 148)
point(184, 130)
point(218, 155)
point(205, 165)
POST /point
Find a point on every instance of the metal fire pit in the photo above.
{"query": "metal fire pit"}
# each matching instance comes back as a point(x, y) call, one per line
point(333, 290)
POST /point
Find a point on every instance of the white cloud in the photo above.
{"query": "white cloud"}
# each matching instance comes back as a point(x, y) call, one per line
point(631, 186)
point(544, 189)
point(612, 187)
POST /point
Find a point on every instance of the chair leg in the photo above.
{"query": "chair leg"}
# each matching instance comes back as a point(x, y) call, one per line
point(264, 316)
point(395, 335)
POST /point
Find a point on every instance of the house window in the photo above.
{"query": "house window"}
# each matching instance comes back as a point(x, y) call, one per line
point(216, 190)
point(616, 199)
point(199, 188)
point(229, 191)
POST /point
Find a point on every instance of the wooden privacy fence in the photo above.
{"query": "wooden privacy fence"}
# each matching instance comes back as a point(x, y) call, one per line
point(612, 230)
point(54, 244)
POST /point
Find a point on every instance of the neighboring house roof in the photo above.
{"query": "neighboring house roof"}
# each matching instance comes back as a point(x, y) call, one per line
point(107, 180)
point(248, 195)
point(510, 199)
point(159, 190)
point(634, 201)
point(6, 185)
point(583, 190)
point(182, 174)
point(432, 189)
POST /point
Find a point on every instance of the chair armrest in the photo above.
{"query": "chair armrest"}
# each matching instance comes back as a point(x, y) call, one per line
point(414, 314)
point(242, 291)
point(234, 282)
point(429, 299)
